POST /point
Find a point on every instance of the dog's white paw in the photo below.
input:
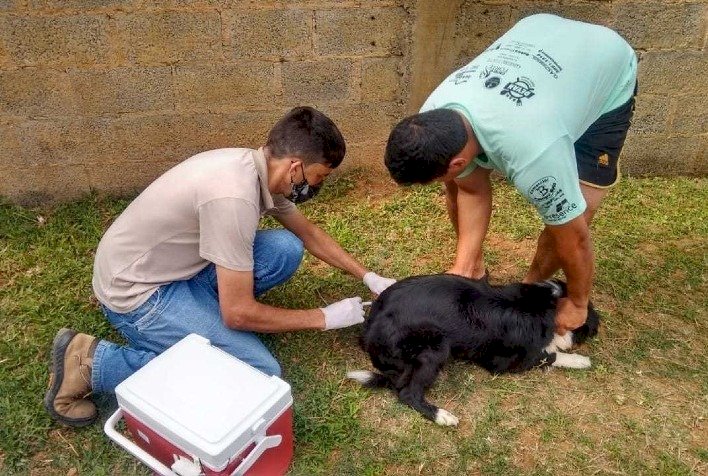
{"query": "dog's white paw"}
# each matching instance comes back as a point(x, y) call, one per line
point(560, 342)
point(361, 376)
point(572, 361)
point(445, 418)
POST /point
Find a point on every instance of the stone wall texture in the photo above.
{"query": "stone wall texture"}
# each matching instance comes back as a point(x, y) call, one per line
point(107, 94)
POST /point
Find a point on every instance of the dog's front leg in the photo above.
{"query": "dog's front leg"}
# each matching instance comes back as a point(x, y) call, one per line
point(571, 361)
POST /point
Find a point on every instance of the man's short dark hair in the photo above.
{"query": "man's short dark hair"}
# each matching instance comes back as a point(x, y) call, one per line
point(307, 134)
point(421, 146)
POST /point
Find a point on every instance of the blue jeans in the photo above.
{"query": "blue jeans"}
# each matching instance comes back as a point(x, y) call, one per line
point(192, 306)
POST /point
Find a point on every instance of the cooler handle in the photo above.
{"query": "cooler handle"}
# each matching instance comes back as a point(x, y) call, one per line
point(110, 429)
point(263, 443)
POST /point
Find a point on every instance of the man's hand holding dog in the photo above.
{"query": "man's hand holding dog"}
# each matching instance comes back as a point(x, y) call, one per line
point(377, 284)
point(569, 316)
point(344, 313)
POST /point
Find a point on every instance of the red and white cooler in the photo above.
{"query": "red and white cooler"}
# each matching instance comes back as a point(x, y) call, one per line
point(196, 410)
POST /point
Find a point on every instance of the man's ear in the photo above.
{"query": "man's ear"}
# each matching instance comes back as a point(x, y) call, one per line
point(457, 165)
point(295, 164)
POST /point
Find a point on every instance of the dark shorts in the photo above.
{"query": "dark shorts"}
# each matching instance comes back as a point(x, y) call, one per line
point(598, 149)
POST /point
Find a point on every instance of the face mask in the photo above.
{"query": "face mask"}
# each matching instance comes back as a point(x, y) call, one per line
point(302, 191)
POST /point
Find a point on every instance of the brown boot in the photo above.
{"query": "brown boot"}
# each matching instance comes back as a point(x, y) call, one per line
point(70, 379)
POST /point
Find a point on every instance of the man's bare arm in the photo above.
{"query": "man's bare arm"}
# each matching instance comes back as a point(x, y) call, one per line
point(320, 244)
point(472, 210)
point(573, 246)
point(240, 310)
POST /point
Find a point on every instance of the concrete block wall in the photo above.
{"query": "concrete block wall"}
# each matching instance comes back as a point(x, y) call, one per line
point(107, 94)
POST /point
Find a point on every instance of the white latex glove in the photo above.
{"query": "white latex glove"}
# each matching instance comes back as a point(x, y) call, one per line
point(377, 283)
point(344, 313)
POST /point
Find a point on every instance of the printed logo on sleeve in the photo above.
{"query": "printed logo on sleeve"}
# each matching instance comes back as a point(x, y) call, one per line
point(520, 89)
point(550, 200)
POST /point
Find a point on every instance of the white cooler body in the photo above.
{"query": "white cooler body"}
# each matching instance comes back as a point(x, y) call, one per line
point(194, 409)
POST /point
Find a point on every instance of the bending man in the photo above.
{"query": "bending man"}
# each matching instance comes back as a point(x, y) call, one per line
point(547, 105)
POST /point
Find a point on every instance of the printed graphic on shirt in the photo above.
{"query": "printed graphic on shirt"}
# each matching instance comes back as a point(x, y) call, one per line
point(509, 53)
point(464, 75)
point(516, 47)
point(522, 88)
point(491, 69)
point(550, 200)
point(548, 63)
point(492, 82)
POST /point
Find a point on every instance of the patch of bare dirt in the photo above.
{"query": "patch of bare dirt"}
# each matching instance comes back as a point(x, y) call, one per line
point(689, 243)
point(515, 256)
point(377, 189)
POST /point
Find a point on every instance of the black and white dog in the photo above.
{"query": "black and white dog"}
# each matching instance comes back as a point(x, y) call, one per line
point(417, 323)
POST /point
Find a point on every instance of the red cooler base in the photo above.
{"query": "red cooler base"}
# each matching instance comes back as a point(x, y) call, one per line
point(273, 462)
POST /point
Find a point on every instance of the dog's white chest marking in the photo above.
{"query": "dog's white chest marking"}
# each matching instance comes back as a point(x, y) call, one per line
point(560, 342)
point(569, 361)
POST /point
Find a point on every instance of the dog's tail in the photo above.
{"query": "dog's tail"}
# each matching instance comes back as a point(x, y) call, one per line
point(369, 379)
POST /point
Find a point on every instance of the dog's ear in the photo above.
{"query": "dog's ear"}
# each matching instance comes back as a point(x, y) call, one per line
point(558, 288)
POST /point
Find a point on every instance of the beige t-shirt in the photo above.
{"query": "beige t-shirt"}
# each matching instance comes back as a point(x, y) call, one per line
point(205, 209)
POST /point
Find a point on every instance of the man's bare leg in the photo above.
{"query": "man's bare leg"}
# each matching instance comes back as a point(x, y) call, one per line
point(545, 263)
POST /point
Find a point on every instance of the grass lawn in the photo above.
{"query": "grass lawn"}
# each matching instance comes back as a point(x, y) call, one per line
point(641, 409)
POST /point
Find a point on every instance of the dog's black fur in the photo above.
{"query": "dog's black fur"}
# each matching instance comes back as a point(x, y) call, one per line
point(418, 323)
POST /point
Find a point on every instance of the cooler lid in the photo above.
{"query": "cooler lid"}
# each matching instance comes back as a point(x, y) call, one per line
point(203, 400)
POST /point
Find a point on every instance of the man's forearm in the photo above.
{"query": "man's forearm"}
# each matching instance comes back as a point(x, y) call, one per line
point(321, 245)
point(324, 247)
point(259, 317)
point(451, 203)
point(577, 261)
point(472, 223)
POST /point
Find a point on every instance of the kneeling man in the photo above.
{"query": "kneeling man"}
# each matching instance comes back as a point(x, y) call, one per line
point(186, 256)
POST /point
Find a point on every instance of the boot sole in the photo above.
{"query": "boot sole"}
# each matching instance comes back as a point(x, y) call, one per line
point(61, 342)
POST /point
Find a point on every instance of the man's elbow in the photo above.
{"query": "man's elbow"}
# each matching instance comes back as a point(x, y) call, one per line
point(237, 319)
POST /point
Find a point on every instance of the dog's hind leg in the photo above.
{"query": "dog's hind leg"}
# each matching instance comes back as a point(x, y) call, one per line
point(422, 377)
point(571, 361)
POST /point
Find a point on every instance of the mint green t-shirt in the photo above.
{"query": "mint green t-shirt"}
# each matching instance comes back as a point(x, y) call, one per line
point(531, 95)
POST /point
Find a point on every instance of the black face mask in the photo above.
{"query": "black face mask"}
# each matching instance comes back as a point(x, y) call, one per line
point(302, 191)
